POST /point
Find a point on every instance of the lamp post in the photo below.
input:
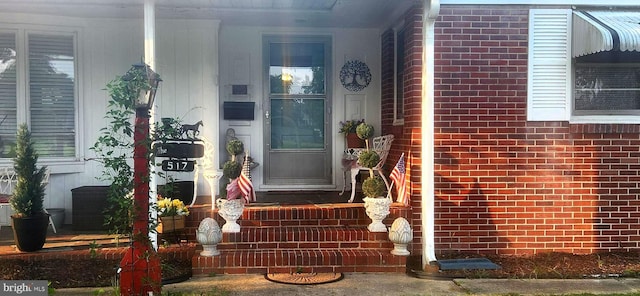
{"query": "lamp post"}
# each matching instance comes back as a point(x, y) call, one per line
point(140, 268)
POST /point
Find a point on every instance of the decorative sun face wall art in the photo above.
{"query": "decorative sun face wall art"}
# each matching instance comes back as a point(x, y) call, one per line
point(355, 75)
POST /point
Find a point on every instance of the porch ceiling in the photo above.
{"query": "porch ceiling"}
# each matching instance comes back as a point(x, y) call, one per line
point(286, 13)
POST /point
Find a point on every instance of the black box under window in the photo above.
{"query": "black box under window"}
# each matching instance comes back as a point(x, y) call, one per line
point(238, 110)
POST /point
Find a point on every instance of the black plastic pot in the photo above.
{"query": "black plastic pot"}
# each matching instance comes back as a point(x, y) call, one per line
point(30, 233)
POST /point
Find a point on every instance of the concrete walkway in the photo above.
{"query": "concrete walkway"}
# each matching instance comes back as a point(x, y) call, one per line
point(373, 284)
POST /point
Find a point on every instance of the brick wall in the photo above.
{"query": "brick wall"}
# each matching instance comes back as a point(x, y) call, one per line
point(505, 185)
point(406, 135)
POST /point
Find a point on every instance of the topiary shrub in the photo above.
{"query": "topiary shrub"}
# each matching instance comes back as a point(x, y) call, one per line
point(364, 131)
point(368, 158)
point(232, 169)
point(235, 147)
point(373, 187)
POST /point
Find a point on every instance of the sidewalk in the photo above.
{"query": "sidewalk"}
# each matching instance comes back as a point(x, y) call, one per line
point(374, 284)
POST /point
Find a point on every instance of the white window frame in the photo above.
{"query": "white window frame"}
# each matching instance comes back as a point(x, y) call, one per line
point(55, 164)
point(400, 27)
point(550, 77)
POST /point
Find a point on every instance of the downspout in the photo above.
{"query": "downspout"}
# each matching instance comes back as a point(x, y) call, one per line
point(150, 59)
point(431, 9)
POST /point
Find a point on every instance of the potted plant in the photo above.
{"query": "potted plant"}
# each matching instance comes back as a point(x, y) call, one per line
point(231, 207)
point(376, 203)
point(171, 213)
point(348, 128)
point(29, 222)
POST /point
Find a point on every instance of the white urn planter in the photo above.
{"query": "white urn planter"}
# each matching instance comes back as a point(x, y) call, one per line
point(401, 235)
point(209, 236)
point(377, 209)
point(230, 211)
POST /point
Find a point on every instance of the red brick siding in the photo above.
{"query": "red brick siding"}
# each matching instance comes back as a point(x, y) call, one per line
point(407, 135)
point(505, 185)
point(387, 83)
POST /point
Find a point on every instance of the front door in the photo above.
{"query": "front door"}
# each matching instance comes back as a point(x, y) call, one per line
point(297, 131)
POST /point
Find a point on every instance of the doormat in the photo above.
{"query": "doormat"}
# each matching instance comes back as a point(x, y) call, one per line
point(312, 278)
point(466, 264)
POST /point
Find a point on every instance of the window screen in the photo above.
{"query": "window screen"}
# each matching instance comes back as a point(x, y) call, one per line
point(606, 88)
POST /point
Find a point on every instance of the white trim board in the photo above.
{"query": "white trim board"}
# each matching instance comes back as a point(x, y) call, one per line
point(607, 3)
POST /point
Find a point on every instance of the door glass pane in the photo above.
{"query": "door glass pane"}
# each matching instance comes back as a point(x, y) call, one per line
point(296, 68)
point(297, 123)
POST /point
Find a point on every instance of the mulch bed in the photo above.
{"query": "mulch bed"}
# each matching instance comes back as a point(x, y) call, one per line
point(552, 265)
point(90, 272)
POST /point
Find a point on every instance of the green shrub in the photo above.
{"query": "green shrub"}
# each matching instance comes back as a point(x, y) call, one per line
point(373, 187)
point(364, 131)
point(368, 158)
point(232, 169)
point(235, 147)
point(28, 194)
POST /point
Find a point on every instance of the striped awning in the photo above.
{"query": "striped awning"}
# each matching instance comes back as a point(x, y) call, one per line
point(597, 31)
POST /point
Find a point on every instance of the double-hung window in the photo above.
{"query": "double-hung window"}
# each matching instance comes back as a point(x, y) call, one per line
point(584, 66)
point(38, 86)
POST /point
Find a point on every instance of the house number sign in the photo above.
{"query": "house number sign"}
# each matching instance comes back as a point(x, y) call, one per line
point(177, 165)
point(178, 153)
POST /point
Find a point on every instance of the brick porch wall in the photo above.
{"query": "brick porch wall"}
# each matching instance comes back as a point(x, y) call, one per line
point(505, 185)
point(407, 135)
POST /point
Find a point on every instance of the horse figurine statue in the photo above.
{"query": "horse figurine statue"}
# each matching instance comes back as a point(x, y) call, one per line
point(191, 130)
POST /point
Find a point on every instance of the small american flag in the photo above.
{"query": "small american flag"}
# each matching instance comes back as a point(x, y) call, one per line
point(398, 177)
point(244, 182)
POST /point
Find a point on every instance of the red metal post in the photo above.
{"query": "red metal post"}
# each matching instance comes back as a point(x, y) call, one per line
point(140, 268)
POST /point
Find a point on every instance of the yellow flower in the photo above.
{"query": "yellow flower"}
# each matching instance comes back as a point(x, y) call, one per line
point(163, 203)
point(171, 207)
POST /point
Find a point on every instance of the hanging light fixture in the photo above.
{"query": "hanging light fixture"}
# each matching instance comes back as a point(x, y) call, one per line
point(146, 95)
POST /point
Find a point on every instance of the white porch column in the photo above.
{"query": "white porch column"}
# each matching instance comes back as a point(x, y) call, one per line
point(150, 34)
point(431, 9)
point(150, 59)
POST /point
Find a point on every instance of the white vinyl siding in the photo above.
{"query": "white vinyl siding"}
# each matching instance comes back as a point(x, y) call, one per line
point(549, 65)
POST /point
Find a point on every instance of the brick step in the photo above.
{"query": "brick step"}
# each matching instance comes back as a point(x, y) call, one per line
point(302, 215)
point(305, 215)
point(301, 260)
point(299, 238)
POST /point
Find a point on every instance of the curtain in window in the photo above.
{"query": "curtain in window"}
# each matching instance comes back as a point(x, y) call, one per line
point(52, 94)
